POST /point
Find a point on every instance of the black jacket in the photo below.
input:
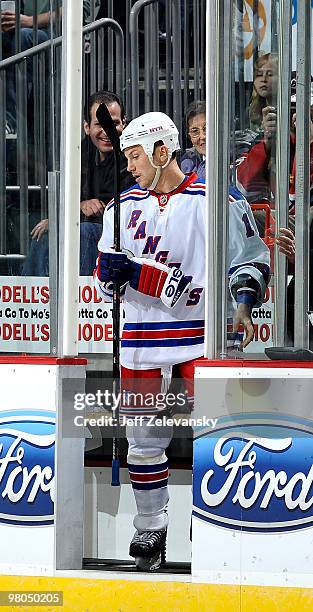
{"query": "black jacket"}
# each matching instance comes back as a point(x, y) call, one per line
point(97, 177)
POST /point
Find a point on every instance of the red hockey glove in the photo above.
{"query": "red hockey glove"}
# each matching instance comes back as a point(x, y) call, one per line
point(157, 280)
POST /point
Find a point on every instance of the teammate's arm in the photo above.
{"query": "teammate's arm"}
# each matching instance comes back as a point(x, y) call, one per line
point(246, 291)
point(249, 269)
point(242, 316)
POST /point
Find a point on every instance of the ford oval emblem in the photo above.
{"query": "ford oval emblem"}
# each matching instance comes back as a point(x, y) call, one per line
point(27, 444)
point(255, 477)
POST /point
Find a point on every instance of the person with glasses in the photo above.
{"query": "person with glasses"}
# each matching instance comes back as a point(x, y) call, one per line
point(193, 160)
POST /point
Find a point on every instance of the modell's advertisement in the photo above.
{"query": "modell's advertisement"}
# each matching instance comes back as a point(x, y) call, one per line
point(25, 318)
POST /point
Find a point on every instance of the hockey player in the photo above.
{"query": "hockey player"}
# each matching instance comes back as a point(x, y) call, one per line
point(162, 269)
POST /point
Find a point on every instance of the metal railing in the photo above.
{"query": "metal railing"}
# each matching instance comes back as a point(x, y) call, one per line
point(155, 61)
point(277, 166)
point(167, 76)
point(182, 80)
point(46, 128)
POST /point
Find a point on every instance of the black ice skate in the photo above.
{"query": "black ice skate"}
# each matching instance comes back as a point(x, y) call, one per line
point(148, 548)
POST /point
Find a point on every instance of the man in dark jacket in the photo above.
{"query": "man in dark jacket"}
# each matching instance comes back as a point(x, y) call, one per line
point(97, 175)
point(97, 183)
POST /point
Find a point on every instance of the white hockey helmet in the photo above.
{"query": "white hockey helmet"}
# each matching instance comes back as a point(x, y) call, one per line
point(147, 130)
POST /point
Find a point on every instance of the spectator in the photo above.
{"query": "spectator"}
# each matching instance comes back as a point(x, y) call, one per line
point(263, 95)
point(264, 91)
point(193, 159)
point(97, 172)
point(8, 24)
point(255, 170)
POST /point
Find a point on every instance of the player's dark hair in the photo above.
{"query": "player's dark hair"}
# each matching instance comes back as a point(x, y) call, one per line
point(194, 109)
point(103, 97)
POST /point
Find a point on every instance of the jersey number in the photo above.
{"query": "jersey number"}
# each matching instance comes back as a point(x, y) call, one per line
point(249, 229)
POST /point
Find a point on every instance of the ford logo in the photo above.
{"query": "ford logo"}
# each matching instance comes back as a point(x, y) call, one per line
point(255, 478)
point(27, 444)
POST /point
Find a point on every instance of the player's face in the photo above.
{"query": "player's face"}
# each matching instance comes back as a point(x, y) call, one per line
point(265, 80)
point(139, 165)
point(97, 135)
point(197, 132)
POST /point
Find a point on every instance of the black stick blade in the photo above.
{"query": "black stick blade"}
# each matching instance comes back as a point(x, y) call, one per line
point(108, 126)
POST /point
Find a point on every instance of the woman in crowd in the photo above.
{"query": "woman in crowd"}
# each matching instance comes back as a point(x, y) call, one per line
point(264, 91)
point(256, 176)
point(193, 160)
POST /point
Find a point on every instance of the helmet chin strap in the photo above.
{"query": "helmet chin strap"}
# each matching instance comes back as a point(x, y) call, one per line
point(158, 171)
point(156, 178)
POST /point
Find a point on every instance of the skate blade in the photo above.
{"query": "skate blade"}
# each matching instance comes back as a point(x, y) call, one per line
point(148, 564)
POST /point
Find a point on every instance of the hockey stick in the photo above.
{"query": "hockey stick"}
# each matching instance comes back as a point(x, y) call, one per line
point(108, 126)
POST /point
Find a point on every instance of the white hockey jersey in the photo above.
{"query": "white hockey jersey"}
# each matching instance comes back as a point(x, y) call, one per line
point(170, 228)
